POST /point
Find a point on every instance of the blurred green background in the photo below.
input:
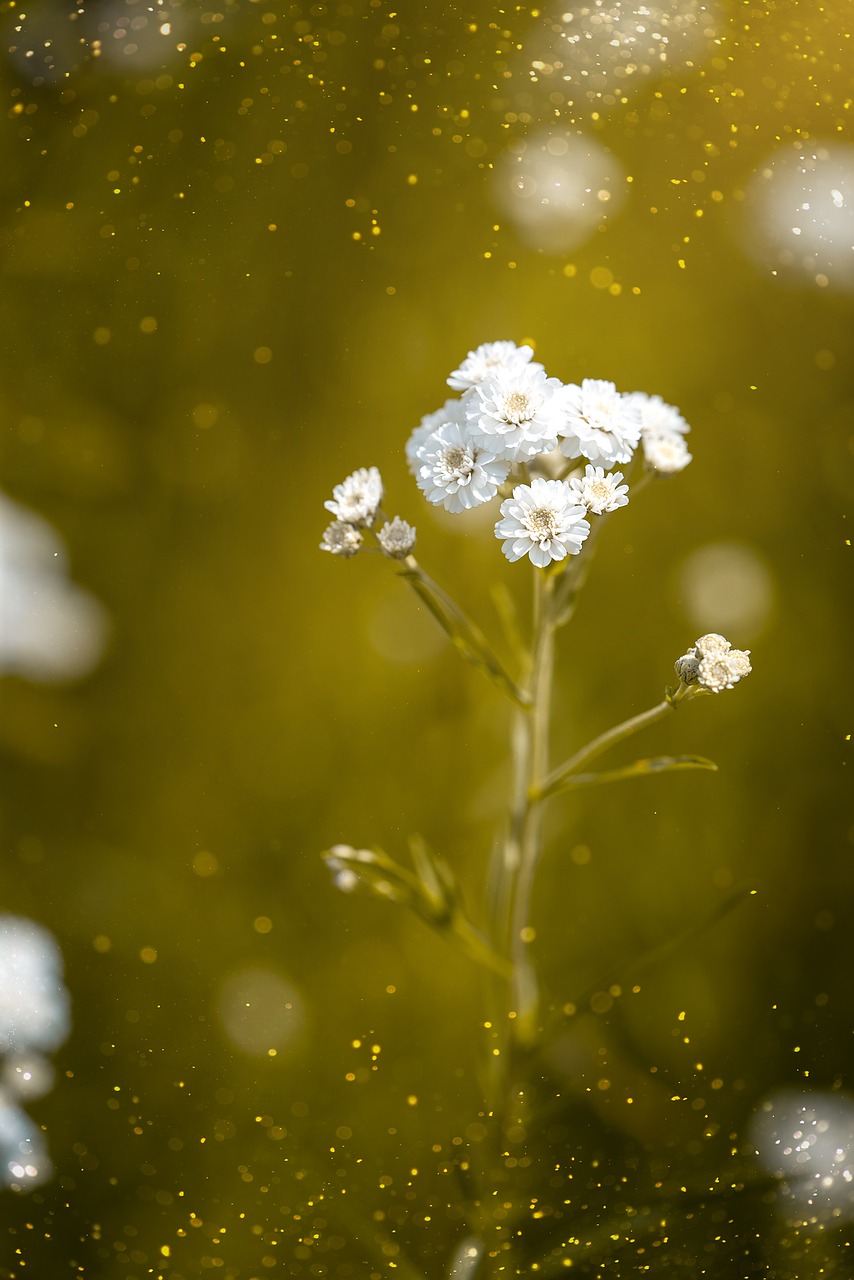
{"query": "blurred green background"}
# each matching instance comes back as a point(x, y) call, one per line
point(243, 246)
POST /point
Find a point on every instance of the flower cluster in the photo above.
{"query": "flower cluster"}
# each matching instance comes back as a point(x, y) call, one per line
point(712, 664)
point(511, 421)
point(356, 505)
point(35, 1018)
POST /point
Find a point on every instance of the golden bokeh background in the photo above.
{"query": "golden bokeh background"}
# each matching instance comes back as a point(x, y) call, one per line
point(243, 246)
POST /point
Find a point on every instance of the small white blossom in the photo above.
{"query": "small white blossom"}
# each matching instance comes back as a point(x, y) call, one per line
point(487, 359)
point(356, 500)
point(455, 473)
point(341, 539)
point(666, 452)
point(599, 492)
point(396, 538)
point(542, 520)
point(712, 645)
point(599, 423)
point(657, 418)
point(516, 413)
point(716, 674)
point(453, 410)
point(713, 664)
point(343, 875)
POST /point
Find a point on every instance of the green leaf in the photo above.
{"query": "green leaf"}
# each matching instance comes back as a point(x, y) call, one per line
point(640, 769)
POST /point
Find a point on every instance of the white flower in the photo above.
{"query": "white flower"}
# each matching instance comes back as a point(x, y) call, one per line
point(712, 645)
point(487, 359)
point(455, 473)
point(516, 413)
point(355, 501)
point(599, 423)
point(657, 418)
point(34, 1003)
point(396, 538)
point(599, 492)
point(542, 520)
point(666, 452)
point(724, 672)
point(713, 664)
point(453, 410)
point(341, 539)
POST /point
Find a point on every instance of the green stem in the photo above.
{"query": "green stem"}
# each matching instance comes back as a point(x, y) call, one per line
point(465, 635)
point(531, 742)
point(558, 777)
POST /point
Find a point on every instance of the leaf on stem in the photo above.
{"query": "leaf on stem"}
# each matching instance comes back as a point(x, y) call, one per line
point(431, 892)
point(639, 769)
point(655, 955)
point(465, 635)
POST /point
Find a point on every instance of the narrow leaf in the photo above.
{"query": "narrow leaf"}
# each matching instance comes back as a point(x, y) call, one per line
point(640, 769)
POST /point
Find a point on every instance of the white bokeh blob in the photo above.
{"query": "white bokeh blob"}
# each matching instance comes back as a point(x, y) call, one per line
point(556, 189)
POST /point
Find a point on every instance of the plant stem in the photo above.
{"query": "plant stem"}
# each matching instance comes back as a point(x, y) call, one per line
point(610, 738)
point(531, 749)
point(465, 635)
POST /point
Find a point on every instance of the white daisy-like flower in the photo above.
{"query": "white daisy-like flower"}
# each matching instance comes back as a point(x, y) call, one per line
point(599, 492)
point(713, 664)
point(657, 418)
point(457, 474)
point(396, 538)
point(516, 413)
point(356, 499)
point(665, 452)
point(487, 359)
point(599, 423)
point(341, 539)
point(453, 410)
point(542, 520)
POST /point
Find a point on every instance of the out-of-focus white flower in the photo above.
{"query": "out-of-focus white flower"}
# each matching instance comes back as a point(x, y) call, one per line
point(34, 1004)
point(599, 50)
point(516, 413)
point(557, 188)
point(802, 204)
point(341, 539)
point(396, 538)
point(453, 410)
point(34, 1019)
point(50, 629)
point(337, 859)
point(487, 359)
point(138, 36)
point(806, 1138)
point(27, 1075)
point(466, 1259)
point(665, 452)
point(727, 584)
point(456, 473)
point(599, 492)
point(713, 664)
point(262, 1009)
point(24, 1161)
point(599, 423)
point(356, 499)
point(542, 520)
point(657, 417)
